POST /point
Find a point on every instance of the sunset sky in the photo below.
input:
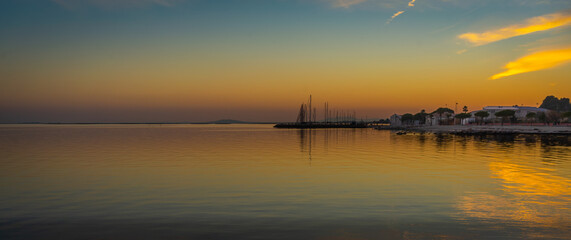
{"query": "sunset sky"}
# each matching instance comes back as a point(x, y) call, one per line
point(258, 60)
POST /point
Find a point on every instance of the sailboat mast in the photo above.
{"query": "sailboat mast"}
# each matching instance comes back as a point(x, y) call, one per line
point(310, 108)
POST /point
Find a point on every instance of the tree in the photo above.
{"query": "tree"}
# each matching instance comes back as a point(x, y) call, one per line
point(550, 102)
point(505, 114)
point(443, 111)
point(541, 117)
point(566, 116)
point(407, 118)
point(530, 116)
point(420, 117)
point(564, 105)
point(482, 115)
point(463, 116)
point(556, 104)
point(465, 109)
point(383, 121)
point(552, 116)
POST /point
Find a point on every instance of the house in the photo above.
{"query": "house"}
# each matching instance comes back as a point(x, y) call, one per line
point(396, 120)
point(431, 120)
point(436, 119)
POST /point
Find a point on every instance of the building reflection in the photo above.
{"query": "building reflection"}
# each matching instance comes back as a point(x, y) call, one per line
point(556, 140)
point(442, 141)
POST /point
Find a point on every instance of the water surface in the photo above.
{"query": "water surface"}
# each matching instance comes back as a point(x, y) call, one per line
point(256, 182)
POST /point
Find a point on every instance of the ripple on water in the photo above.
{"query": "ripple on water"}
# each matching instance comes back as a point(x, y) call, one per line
point(253, 181)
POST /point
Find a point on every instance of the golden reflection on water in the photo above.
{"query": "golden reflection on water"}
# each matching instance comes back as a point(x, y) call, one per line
point(531, 195)
point(297, 176)
point(530, 183)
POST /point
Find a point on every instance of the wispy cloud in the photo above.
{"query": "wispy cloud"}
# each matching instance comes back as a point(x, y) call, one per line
point(411, 3)
point(394, 16)
point(346, 3)
point(536, 61)
point(531, 25)
point(72, 4)
point(461, 51)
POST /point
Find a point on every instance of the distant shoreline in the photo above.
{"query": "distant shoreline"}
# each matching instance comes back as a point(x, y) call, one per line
point(132, 123)
point(484, 129)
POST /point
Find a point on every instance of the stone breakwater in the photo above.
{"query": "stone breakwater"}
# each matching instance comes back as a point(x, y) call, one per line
point(485, 130)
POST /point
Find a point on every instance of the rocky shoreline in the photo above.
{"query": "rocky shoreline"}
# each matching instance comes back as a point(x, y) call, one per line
point(484, 129)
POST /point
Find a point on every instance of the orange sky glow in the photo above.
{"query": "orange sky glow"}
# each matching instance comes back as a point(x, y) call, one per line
point(200, 61)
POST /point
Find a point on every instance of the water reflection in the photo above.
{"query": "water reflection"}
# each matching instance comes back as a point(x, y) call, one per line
point(306, 137)
point(530, 192)
point(253, 181)
point(529, 196)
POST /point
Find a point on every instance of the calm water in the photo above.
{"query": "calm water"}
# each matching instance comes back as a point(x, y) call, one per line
point(256, 182)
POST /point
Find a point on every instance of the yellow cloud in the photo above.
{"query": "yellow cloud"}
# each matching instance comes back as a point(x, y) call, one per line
point(411, 3)
point(394, 16)
point(461, 51)
point(531, 25)
point(346, 3)
point(535, 62)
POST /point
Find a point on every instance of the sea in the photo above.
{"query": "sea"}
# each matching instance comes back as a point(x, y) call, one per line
point(249, 181)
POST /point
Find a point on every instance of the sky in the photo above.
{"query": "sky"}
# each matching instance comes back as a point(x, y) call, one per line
point(258, 60)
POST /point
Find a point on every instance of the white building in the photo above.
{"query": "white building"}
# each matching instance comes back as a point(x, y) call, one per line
point(431, 120)
point(436, 119)
point(520, 111)
point(396, 120)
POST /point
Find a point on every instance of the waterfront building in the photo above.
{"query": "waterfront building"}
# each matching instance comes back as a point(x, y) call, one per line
point(396, 120)
point(440, 119)
point(520, 112)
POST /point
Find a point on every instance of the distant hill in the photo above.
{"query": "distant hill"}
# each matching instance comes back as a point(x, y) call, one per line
point(231, 121)
point(226, 121)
